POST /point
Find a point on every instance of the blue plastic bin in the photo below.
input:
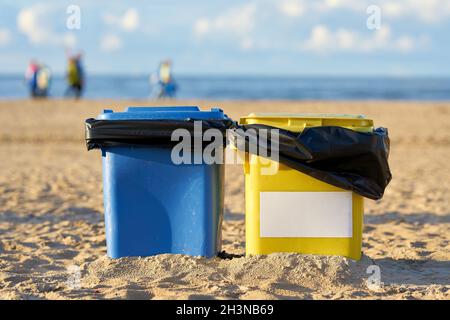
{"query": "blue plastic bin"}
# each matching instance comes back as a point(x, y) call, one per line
point(153, 206)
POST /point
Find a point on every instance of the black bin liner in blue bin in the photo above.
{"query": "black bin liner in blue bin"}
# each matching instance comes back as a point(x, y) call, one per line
point(108, 133)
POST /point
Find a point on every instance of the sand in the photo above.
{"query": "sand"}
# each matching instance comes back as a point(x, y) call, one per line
point(52, 241)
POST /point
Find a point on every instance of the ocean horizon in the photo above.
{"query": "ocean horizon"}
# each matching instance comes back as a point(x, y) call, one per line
point(249, 87)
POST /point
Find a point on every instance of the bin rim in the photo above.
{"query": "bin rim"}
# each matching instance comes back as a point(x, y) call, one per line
point(299, 121)
point(163, 113)
point(286, 115)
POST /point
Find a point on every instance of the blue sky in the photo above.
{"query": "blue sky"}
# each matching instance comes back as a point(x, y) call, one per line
point(271, 37)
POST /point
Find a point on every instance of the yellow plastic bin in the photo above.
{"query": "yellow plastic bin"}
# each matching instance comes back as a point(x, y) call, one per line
point(292, 212)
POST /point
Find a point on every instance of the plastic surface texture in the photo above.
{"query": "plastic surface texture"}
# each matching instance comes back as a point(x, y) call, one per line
point(153, 206)
point(288, 179)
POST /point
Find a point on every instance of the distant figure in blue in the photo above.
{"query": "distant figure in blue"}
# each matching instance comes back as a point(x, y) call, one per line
point(163, 81)
point(38, 78)
point(75, 76)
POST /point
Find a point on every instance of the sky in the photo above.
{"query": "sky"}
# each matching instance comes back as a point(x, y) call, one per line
point(266, 37)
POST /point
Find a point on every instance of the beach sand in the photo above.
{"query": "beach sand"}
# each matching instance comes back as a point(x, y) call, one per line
point(52, 240)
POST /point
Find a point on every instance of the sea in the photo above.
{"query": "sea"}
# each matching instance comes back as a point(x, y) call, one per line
point(248, 87)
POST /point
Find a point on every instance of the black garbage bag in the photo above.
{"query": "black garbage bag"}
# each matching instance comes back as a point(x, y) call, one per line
point(351, 160)
point(107, 133)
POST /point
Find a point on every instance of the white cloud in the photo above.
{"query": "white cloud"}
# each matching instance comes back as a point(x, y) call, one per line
point(405, 43)
point(35, 23)
point(28, 22)
point(430, 11)
point(69, 40)
point(380, 38)
point(346, 39)
point(393, 9)
point(328, 5)
point(237, 20)
point(320, 39)
point(201, 26)
point(245, 26)
point(5, 37)
point(292, 8)
point(129, 21)
point(323, 40)
point(110, 42)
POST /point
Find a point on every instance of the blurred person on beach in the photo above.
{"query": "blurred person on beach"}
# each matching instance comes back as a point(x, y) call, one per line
point(75, 76)
point(38, 77)
point(31, 77)
point(163, 81)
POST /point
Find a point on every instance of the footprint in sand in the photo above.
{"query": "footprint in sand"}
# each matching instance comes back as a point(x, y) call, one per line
point(418, 244)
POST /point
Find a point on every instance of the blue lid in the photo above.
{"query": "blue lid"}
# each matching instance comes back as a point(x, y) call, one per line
point(163, 113)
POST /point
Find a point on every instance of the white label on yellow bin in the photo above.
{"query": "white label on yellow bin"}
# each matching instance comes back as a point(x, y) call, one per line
point(306, 214)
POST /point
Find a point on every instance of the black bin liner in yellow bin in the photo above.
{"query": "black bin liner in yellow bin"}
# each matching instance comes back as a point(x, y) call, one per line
point(351, 160)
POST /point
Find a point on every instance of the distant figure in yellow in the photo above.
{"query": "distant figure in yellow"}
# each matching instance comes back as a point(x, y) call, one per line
point(75, 76)
point(165, 72)
point(164, 81)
